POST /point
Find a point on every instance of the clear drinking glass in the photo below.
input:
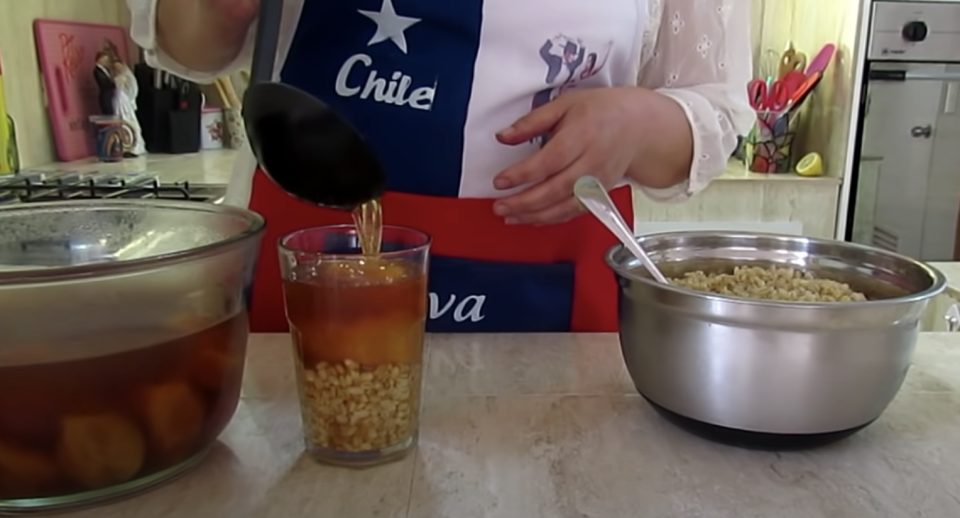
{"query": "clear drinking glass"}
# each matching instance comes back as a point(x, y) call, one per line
point(357, 325)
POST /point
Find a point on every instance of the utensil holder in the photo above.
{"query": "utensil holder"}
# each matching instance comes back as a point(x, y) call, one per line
point(112, 137)
point(236, 136)
point(769, 146)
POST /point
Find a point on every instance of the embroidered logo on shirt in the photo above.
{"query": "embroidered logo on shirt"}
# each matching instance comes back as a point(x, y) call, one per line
point(394, 88)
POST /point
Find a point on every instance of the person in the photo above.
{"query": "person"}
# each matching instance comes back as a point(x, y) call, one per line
point(125, 106)
point(106, 87)
point(442, 92)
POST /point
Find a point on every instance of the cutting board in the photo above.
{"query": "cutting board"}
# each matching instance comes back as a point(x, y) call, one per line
point(9, 155)
point(66, 51)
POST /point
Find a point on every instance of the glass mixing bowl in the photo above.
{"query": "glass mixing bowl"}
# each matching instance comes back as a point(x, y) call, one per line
point(123, 330)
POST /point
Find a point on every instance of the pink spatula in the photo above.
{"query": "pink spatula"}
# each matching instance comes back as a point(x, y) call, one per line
point(822, 60)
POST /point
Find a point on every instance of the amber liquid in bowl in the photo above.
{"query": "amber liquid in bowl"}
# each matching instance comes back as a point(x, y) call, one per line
point(100, 420)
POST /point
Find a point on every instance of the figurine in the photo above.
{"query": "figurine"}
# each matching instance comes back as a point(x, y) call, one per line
point(125, 106)
point(103, 75)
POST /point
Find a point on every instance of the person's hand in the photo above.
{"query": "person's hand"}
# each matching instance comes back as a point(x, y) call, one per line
point(237, 11)
point(596, 132)
point(204, 35)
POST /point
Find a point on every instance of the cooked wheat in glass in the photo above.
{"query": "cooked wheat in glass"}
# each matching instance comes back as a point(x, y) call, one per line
point(773, 283)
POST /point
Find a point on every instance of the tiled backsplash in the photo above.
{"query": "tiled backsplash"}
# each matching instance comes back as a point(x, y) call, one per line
point(804, 206)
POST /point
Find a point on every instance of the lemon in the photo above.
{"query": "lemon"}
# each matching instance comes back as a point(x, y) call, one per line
point(810, 165)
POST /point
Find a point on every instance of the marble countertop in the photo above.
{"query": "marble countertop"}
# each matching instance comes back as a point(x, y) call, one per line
point(550, 426)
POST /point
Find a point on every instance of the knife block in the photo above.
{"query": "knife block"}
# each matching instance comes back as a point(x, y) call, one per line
point(183, 131)
point(166, 128)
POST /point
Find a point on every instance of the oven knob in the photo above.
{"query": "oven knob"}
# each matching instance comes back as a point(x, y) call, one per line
point(914, 31)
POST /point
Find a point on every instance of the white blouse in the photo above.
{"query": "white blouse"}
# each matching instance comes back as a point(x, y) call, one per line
point(697, 52)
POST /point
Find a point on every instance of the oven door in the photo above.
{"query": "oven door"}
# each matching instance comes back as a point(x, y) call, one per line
point(908, 186)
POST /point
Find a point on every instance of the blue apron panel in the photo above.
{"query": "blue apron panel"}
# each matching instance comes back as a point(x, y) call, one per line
point(468, 296)
point(401, 71)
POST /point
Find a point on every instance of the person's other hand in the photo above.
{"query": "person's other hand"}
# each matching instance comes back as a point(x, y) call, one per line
point(204, 35)
point(600, 132)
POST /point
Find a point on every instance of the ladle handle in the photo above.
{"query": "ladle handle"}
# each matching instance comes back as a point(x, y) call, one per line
point(267, 41)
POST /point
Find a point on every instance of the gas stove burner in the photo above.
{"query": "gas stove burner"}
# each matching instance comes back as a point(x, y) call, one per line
point(38, 186)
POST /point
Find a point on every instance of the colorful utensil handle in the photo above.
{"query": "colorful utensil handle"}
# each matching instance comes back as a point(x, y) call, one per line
point(800, 62)
point(757, 92)
point(801, 94)
point(822, 60)
point(778, 97)
point(805, 88)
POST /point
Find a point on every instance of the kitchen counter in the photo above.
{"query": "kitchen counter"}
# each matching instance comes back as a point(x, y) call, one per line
point(531, 426)
point(738, 199)
point(951, 270)
point(934, 318)
point(209, 167)
point(216, 166)
point(737, 170)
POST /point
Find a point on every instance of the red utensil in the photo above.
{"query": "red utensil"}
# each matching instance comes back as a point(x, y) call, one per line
point(775, 97)
point(793, 81)
point(801, 93)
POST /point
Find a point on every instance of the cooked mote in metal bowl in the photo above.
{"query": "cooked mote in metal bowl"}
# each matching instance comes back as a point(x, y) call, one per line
point(770, 340)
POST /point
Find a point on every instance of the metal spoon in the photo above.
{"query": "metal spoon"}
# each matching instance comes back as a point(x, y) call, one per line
point(305, 146)
point(594, 197)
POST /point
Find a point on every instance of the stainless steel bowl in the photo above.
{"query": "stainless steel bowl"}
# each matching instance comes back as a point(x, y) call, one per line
point(729, 364)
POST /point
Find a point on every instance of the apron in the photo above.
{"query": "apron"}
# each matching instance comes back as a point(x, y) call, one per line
point(429, 83)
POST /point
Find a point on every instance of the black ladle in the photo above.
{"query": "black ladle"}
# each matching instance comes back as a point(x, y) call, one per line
point(302, 144)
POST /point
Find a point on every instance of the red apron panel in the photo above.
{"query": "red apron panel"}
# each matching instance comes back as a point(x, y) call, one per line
point(485, 276)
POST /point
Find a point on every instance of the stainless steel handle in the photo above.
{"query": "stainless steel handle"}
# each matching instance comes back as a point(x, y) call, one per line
point(953, 318)
point(921, 131)
point(916, 75)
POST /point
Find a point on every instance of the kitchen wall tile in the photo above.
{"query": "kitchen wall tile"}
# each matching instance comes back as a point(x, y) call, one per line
point(812, 204)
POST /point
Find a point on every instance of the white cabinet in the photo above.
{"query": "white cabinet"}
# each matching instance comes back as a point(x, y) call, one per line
point(910, 202)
